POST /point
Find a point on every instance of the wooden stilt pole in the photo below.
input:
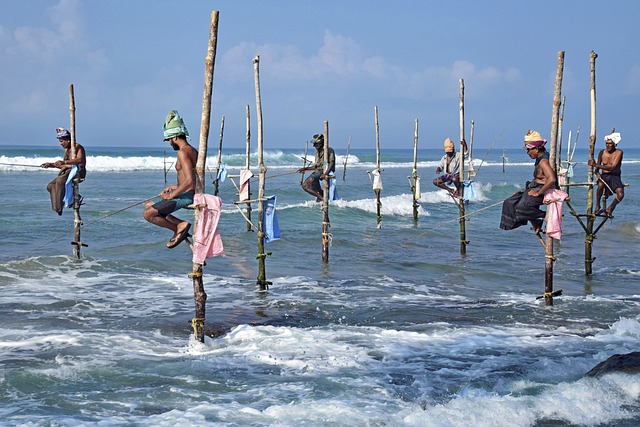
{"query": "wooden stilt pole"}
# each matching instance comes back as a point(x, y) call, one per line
point(463, 231)
point(560, 137)
point(378, 190)
point(325, 198)
point(346, 158)
point(415, 187)
point(77, 220)
point(247, 166)
point(218, 166)
point(589, 236)
point(199, 295)
point(549, 258)
point(262, 276)
point(471, 174)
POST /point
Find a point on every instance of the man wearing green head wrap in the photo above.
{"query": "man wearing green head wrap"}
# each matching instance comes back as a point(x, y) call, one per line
point(180, 195)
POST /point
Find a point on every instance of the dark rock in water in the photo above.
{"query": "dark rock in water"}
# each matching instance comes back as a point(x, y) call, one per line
point(628, 363)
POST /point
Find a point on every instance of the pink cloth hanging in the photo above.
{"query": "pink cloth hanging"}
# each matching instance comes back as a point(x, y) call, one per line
point(207, 242)
point(553, 199)
point(245, 176)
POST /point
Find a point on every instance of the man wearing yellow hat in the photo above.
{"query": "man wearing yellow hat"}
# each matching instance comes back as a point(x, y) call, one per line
point(524, 205)
point(609, 181)
point(449, 168)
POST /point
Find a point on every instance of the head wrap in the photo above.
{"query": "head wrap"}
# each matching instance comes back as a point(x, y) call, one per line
point(449, 146)
point(615, 137)
point(318, 139)
point(174, 126)
point(533, 139)
point(62, 133)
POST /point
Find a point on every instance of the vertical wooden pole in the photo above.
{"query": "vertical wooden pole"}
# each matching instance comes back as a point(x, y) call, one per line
point(470, 172)
point(262, 276)
point(560, 137)
point(199, 295)
point(325, 198)
point(77, 220)
point(377, 190)
point(549, 257)
point(463, 231)
point(247, 166)
point(218, 166)
point(346, 158)
point(588, 241)
point(414, 173)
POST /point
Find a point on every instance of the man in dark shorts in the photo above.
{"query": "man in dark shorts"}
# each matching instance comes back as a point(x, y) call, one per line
point(312, 184)
point(180, 195)
point(609, 181)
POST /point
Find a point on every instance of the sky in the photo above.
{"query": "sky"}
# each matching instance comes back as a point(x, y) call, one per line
point(132, 61)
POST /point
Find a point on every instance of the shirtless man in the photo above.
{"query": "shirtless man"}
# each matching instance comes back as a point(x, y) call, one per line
point(524, 205)
point(609, 162)
point(56, 187)
point(177, 196)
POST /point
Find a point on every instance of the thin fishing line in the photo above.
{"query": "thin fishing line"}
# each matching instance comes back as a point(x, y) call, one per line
point(464, 216)
point(492, 144)
point(94, 221)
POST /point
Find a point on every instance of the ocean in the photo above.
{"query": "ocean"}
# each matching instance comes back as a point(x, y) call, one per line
point(396, 329)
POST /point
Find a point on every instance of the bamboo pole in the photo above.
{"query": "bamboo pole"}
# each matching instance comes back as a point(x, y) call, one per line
point(77, 220)
point(414, 173)
point(555, 119)
point(217, 181)
point(589, 236)
point(262, 277)
point(346, 158)
point(304, 162)
point(199, 295)
point(247, 166)
point(560, 137)
point(325, 198)
point(463, 231)
point(471, 174)
point(377, 190)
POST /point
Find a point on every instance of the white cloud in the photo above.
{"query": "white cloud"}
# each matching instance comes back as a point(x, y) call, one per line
point(342, 61)
point(41, 43)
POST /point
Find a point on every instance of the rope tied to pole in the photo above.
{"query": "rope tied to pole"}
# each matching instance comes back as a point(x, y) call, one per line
point(195, 275)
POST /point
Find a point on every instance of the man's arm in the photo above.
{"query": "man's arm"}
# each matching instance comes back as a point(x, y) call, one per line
point(186, 176)
point(616, 161)
point(549, 178)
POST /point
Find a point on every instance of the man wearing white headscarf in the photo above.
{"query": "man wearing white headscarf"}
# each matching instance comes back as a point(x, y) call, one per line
point(609, 180)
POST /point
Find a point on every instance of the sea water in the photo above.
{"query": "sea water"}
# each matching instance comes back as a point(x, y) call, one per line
point(397, 328)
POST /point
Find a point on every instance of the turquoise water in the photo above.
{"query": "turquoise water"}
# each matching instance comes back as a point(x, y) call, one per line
point(397, 328)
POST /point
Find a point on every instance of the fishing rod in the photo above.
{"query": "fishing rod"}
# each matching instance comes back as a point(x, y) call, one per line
point(464, 216)
point(492, 144)
point(94, 221)
point(18, 164)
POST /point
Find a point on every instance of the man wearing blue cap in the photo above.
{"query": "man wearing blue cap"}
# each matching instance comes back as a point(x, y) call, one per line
point(56, 187)
point(177, 196)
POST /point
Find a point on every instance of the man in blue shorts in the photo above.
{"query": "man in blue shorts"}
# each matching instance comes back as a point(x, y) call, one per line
point(177, 196)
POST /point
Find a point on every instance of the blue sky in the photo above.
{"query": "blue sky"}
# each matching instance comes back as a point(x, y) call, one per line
point(133, 61)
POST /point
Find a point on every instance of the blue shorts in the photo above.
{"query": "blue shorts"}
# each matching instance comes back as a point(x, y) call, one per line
point(166, 207)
